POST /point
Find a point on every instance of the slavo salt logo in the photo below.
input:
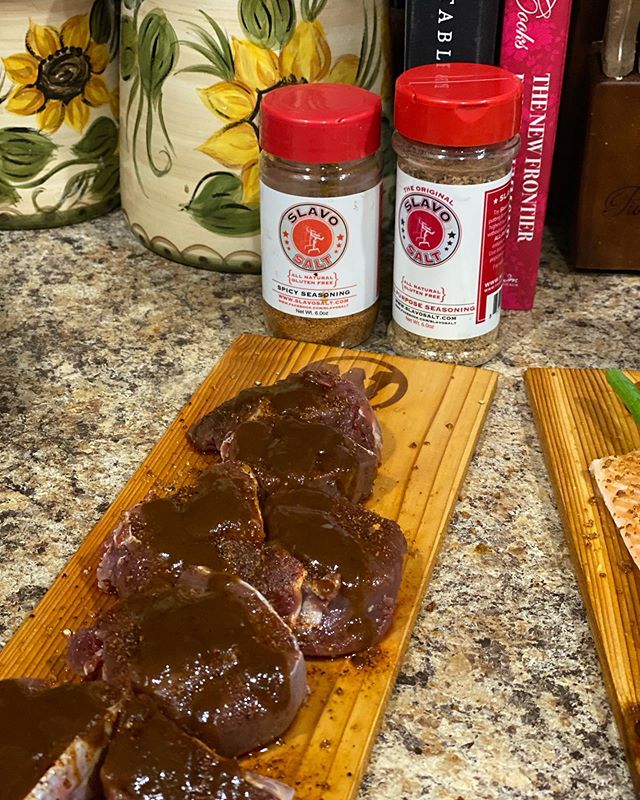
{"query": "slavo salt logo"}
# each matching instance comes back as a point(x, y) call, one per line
point(313, 237)
point(429, 229)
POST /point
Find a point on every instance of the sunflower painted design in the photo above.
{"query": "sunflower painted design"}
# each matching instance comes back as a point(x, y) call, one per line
point(235, 102)
point(279, 49)
point(58, 78)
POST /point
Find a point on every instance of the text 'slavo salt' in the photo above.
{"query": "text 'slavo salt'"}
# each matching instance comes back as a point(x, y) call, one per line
point(321, 184)
point(456, 139)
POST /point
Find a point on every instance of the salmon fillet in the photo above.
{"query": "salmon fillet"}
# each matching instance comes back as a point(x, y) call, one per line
point(618, 479)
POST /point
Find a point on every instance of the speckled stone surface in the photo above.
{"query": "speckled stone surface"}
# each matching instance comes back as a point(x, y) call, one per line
point(500, 695)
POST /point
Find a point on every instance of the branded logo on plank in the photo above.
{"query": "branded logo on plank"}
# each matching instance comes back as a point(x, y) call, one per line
point(429, 229)
point(313, 237)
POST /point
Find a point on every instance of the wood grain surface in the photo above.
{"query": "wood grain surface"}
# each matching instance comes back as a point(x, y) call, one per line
point(431, 416)
point(579, 418)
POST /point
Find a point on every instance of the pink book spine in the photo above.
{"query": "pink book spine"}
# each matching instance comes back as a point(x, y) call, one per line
point(534, 44)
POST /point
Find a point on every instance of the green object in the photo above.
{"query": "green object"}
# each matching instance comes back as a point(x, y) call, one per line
point(217, 51)
point(311, 9)
point(157, 54)
point(370, 62)
point(129, 48)
point(7, 193)
point(99, 142)
point(217, 205)
point(54, 219)
point(23, 154)
point(626, 390)
point(268, 23)
point(105, 178)
point(103, 23)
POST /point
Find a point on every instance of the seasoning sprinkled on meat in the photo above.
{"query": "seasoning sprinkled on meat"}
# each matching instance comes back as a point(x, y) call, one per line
point(315, 394)
point(219, 662)
point(151, 758)
point(353, 560)
point(216, 525)
point(283, 451)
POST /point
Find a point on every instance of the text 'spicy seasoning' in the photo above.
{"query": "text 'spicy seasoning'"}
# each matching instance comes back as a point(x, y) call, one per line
point(456, 138)
point(320, 173)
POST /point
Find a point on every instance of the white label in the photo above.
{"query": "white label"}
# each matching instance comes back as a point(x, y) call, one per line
point(449, 254)
point(320, 255)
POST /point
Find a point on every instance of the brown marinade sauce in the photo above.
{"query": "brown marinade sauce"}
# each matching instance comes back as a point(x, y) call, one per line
point(150, 757)
point(37, 726)
point(314, 395)
point(354, 560)
point(200, 655)
point(287, 452)
point(215, 623)
point(304, 523)
point(184, 533)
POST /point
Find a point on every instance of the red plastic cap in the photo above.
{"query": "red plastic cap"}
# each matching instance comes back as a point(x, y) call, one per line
point(320, 123)
point(458, 105)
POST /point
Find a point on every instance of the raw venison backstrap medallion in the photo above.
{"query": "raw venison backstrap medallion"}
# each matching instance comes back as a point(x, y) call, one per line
point(219, 662)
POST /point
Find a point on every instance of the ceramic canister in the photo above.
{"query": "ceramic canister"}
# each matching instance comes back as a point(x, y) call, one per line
point(58, 111)
point(193, 74)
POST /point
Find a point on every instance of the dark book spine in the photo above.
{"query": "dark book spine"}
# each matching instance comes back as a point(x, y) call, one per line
point(451, 30)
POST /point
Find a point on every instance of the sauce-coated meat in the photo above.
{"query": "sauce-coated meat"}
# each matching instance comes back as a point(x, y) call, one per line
point(220, 662)
point(353, 560)
point(151, 758)
point(285, 452)
point(217, 525)
point(51, 740)
point(315, 394)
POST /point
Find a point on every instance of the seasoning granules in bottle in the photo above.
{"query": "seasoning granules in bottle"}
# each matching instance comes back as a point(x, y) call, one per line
point(456, 138)
point(320, 189)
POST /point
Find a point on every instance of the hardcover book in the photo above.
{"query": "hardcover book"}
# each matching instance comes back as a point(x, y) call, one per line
point(534, 43)
point(451, 30)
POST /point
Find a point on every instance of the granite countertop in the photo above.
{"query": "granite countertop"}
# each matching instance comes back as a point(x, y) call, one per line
point(500, 695)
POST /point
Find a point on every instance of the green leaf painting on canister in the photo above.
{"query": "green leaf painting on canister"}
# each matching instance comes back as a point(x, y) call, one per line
point(99, 142)
point(128, 48)
point(156, 52)
point(192, 79)
point(23, 154)
point(58, 86)
point(268, 23)
point(217, 205)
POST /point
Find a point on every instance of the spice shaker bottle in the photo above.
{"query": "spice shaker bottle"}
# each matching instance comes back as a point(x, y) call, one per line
point(320, 191)
point(456, 139)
